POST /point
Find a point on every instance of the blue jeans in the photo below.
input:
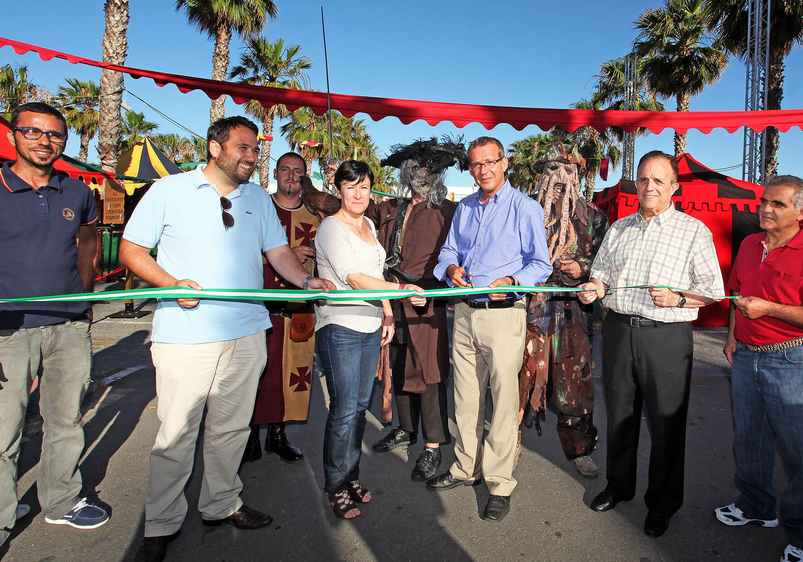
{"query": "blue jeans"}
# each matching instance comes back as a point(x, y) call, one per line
point(348, 361)
point(767, 392)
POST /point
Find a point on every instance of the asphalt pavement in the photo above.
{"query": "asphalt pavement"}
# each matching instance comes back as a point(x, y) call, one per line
point(549, 518)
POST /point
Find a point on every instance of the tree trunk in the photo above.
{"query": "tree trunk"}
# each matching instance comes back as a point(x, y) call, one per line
point(264, 154)
point(680, 139)
point(775, 81)
point(115, 47)
point(591, 181)
point(220, 69)
point(83, 154)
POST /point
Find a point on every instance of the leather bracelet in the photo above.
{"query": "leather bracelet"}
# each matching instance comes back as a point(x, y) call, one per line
point(305, 285)
point(403, 286)
point(388, 321)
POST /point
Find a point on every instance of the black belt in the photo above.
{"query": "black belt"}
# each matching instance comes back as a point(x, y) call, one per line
point(491, 304)
point(637, 321)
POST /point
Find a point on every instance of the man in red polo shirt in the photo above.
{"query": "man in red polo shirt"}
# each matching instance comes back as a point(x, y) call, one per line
point(765, 348)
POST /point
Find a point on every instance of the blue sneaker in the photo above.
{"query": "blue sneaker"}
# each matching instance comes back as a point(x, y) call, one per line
point(85, 515)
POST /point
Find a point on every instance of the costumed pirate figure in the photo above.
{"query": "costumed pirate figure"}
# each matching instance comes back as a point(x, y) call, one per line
point(284, 389)
point(557, 355)
point(417, 363)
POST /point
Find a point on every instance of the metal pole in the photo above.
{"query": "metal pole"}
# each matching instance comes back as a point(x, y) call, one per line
point(328, 91)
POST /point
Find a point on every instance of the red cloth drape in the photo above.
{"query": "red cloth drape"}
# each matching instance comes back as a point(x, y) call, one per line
point(460, 114)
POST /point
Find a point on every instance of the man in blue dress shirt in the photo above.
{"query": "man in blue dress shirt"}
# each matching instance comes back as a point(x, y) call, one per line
point(496, 239)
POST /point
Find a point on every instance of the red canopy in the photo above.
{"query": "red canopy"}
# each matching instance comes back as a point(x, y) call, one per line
point(458, 113)
point(90, 178)
point(726, 205)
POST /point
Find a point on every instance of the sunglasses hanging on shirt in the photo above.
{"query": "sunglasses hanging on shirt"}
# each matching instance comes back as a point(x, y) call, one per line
point(228, 219)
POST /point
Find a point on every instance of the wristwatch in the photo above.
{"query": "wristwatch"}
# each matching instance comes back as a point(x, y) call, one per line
point(305, 285)
point(682, 301)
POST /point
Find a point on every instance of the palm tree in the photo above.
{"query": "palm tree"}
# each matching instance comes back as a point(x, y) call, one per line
point(136, 128)
point(15, 89)
point(728, 18)
point(115, 47)
point(79, 101)
point(219, 18)
point(680, 59)
point(174, 146)
point(266, 63)
point(610, 91)
point(199, 149)
point(594, 146)
point(524, 156)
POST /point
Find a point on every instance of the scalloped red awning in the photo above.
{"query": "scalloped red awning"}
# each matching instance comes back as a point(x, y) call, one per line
point(460, 114)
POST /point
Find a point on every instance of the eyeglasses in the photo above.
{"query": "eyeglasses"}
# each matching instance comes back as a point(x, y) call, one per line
point(32, 133)
point(477, 166)
point(228, 219)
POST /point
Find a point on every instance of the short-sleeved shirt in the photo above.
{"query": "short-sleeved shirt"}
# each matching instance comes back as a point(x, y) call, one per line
point(339, 252)
point(776, 277)
point(671, 249)
point(38, 249)
point(181, 215)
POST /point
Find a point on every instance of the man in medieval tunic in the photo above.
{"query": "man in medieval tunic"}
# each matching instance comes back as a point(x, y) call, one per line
point(557, 355)
point(412, 232)
point(284, 389)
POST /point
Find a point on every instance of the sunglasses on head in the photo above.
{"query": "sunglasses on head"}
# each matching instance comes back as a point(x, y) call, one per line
point(228, 219)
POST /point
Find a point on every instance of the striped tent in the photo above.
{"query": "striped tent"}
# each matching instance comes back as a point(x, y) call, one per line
point(143, 161)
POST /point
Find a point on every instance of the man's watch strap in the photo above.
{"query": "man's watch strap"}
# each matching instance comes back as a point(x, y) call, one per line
point(307, 279)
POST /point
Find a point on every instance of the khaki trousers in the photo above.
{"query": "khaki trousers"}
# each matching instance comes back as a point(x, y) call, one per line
point(487, 348)
point(221, 377)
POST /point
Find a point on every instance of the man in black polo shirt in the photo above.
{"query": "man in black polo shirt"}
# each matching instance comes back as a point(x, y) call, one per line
point(47, 244)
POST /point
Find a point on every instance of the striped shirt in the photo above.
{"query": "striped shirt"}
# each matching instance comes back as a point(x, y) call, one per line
point(673, 249)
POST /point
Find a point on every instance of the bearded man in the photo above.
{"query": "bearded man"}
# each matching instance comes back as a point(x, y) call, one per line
point(557, 354)
point(284, 389)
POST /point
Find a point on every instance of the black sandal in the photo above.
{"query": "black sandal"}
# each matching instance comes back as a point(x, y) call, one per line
point(343, 505)
point(358, 493)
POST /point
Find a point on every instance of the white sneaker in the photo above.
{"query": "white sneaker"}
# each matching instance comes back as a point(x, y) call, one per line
point(792, 554)
point(732, 516)
point(23, 509)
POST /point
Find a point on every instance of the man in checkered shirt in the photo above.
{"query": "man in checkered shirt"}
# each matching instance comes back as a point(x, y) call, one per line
point(647, 336)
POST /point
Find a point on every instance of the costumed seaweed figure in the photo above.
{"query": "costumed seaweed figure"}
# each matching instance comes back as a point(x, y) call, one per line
point(557, 357)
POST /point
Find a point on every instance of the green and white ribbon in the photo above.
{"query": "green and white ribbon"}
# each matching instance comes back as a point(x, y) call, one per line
point(285, 295)
point(295, 295)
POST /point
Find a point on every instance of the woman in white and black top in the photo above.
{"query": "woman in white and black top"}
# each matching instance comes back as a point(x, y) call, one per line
point(349, 335)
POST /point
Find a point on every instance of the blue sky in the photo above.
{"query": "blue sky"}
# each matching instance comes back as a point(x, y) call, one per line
point(518, 53)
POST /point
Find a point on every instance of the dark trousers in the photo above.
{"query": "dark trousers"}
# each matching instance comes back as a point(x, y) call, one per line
point(427, 409)
point(348, 361)
point(647, 367)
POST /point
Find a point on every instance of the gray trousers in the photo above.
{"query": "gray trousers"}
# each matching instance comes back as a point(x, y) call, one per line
point(65, 355)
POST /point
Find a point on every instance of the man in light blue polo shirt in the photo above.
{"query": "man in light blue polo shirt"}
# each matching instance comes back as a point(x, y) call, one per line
point(212, 229)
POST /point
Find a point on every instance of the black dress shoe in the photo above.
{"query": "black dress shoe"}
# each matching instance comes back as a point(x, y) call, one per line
point(253, 449)
point(446, 481)
point(427, 464)
point(395, 439)
point(244, 518)
point(496, 508)
point(605, 501)
point(154, 549)
point(655, 526)
point(276, 442)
